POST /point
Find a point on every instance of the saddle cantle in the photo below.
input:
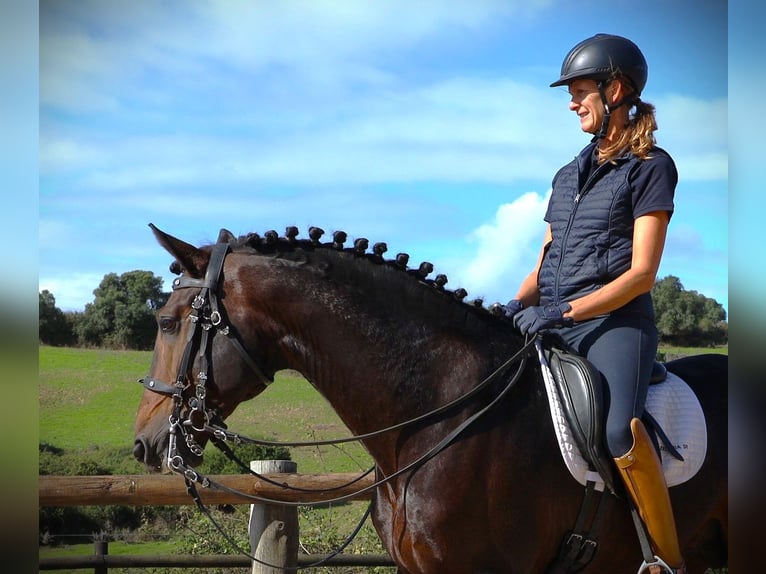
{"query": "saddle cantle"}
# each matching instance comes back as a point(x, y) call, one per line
point(575, 394)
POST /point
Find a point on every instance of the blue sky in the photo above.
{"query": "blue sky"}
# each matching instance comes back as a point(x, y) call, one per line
point(425, 124)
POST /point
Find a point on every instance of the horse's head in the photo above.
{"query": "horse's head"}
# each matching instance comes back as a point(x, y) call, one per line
point(200, 368)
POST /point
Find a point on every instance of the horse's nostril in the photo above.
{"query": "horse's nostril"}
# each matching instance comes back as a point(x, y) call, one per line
point(139, 450)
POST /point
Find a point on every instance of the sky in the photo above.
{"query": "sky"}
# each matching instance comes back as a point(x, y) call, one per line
point(425, 124)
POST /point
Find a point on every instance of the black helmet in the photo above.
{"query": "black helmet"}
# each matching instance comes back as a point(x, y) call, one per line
point(603, 56)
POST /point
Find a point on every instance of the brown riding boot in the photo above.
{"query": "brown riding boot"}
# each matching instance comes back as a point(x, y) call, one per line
point(641, 471)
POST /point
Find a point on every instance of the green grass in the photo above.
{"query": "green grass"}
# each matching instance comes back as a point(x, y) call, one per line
point(88, 398)
point(683, 351)
point(116, 548)
point(292, 410)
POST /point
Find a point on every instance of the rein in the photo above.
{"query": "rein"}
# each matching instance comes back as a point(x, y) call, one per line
point(193, 475)
point(207, 315)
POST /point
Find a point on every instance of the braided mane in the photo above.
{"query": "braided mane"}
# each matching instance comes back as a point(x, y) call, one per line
point(270, 243)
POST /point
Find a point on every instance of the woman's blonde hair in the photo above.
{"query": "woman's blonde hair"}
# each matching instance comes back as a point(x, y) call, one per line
point(637, 137)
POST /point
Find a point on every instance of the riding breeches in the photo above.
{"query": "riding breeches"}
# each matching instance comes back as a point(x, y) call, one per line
point(623, 347)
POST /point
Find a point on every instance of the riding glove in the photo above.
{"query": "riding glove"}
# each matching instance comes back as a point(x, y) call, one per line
point(512, 307)
point(533, 319)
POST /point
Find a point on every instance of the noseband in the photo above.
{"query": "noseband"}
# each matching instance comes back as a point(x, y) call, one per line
point(206, 315)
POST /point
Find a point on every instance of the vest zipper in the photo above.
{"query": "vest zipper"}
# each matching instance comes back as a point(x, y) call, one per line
point(575, 204)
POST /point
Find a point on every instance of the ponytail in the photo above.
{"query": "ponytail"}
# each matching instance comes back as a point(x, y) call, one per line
point(637, 137)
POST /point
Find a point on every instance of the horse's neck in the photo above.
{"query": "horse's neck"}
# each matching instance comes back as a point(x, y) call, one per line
point(373, 384)
point(366, 380)
point(377, 364)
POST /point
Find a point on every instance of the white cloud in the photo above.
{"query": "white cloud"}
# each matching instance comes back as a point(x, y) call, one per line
point(507, 248)
point(266, 33)
point(67, 154)
point(381, 128)
point(456, 131)
point(73, 291)
point(702, 166)
point(91, 51)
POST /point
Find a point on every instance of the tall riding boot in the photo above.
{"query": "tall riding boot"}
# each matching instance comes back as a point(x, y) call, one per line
point(641, 470)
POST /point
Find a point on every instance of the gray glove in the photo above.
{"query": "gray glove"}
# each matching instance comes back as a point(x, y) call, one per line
point(512, 307)
point(533, 319)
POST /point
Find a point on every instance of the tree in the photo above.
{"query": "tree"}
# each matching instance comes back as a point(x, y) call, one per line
point(122, 314)
point(687, 317)
point(54, 329)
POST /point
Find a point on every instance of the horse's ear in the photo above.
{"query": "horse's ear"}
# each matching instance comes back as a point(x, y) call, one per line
point(191, 259)
point(225, 236)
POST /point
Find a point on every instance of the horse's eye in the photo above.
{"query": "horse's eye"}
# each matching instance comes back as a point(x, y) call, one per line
point(168, 324)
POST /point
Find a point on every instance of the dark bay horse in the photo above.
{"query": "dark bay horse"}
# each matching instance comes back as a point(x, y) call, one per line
point(384, 344)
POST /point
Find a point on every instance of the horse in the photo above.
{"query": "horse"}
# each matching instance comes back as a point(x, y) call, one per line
point(384, 343)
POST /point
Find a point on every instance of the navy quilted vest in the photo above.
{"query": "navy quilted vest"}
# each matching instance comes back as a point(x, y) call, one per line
point(591, 218)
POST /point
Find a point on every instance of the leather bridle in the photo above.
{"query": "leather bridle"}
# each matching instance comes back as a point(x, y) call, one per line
point(206, 316)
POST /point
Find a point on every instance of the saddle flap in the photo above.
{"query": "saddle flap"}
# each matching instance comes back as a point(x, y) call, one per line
point(580, 389)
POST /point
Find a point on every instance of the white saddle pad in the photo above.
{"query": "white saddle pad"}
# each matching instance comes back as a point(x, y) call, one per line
point(673, 405)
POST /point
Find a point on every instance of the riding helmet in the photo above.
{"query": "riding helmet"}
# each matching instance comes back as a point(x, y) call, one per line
point(602, 57)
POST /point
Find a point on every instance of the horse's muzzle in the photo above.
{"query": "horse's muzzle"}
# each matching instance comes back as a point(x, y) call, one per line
point(153, 458)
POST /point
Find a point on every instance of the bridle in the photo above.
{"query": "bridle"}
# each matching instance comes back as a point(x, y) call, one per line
point(207, 316)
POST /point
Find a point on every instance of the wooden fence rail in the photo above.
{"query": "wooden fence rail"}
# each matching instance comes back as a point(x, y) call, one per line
point(170, 489)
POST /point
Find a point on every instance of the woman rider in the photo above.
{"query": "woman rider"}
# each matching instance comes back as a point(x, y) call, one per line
point(607, 220)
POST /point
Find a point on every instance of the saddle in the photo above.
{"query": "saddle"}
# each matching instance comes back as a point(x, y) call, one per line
point(576, 399)
point(580, 391)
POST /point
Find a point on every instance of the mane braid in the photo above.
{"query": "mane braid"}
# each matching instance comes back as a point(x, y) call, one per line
point(272, 244)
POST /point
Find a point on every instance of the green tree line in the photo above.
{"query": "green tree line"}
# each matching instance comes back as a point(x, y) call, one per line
point(121, 315)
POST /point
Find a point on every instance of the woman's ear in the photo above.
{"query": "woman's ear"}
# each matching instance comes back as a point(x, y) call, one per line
point(615, 91)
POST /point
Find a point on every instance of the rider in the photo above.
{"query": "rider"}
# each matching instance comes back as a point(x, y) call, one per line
point(607, 221)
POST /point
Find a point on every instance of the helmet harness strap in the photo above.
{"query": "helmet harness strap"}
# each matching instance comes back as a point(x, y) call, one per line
point(601, 133)
point(631, 99)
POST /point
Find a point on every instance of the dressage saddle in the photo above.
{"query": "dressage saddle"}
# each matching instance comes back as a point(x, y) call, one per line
point(581, 390)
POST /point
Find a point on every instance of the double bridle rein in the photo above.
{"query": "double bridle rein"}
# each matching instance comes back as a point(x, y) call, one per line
point(208, 315)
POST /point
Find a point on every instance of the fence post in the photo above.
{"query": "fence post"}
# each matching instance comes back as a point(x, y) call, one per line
point(273, 528)
point(101, 549)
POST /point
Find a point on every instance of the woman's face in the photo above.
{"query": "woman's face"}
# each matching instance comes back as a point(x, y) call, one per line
point(586, 103)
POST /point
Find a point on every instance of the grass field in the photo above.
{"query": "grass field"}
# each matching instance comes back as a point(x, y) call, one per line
point(89, 397)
